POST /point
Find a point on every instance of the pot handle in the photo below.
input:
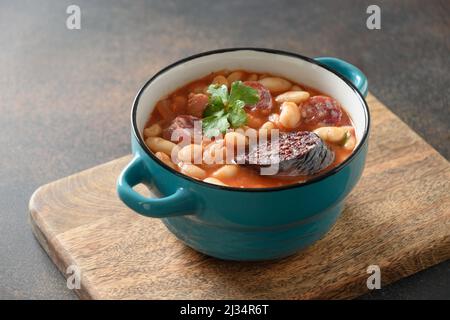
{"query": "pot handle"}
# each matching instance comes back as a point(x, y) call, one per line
point(177, 204)
point(349, 71)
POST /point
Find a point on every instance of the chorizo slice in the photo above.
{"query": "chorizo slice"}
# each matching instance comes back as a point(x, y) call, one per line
point(183, 128)
point(197, 103)
point(321, 110)
point(265, 103)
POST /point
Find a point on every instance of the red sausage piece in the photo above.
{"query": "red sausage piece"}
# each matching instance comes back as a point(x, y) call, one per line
point(183, 126)
point(265, 104)
point(321, 110)
point(197, 103)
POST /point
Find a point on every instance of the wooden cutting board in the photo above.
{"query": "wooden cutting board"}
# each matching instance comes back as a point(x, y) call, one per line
point(398, 217)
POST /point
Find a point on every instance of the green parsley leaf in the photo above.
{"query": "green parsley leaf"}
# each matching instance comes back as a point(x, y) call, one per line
point(227, 110)
point(236, 114)
point(215, 124)
point(214, 105)
point(218, 92)
point(239, 91)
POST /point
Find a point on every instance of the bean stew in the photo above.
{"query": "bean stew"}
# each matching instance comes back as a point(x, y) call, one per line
point(249, 130)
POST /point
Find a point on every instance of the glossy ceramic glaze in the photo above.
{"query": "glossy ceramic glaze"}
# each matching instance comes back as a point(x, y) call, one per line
point(247, 224)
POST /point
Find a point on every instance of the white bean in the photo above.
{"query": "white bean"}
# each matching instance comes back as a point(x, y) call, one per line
point(157, 144)
point(292, 96)
point(191, 153)
point(215, 153)
point(215, 181)
point(266, 128)
point(235, 139)
point(275, 84)
point(193, 171)
point(234, 76)
point(249, 133)
point(152, 131)
point(166, 159)
point(333, 134)
point(290, 115)
point(252, 77)
point(227, 171)
point(220, 80)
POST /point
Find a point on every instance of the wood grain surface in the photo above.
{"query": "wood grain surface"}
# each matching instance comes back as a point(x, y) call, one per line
point(398, 217)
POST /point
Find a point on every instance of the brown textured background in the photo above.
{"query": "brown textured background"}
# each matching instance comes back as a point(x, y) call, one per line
point(65, 95)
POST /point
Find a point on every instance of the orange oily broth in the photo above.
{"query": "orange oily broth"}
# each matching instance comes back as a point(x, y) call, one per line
point(246, 177)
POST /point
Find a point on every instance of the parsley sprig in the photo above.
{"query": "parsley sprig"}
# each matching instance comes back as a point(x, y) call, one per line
point(225, 109)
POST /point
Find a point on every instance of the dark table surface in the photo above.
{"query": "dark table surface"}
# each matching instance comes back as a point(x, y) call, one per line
point(65, 94)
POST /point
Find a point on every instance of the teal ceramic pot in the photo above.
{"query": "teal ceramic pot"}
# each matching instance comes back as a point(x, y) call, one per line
point(247, 224)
